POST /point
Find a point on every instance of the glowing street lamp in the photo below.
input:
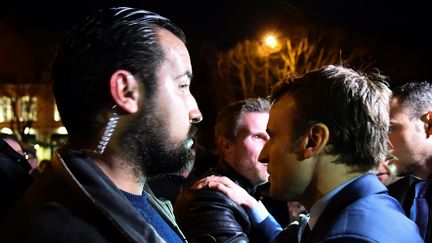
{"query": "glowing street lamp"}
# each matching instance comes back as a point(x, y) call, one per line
point(268, 46)
point(271, 41)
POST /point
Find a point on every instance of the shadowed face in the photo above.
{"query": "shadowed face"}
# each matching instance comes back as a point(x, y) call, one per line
point(244, 151)
point(409, 140)
point(289, 177)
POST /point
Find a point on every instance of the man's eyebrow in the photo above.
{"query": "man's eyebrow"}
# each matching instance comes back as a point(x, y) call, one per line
point(269, 132)
point(187, 74)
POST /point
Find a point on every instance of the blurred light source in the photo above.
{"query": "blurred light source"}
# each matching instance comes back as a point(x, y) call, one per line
point(6, 130)
point(62, 130)
point(269, 44)
point(271, 41)
point(29, 131)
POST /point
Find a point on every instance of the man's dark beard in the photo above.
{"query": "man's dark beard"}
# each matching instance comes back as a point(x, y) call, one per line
point(148, 147)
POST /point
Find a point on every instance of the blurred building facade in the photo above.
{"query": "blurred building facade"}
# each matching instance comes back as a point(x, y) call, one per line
point(29, 111)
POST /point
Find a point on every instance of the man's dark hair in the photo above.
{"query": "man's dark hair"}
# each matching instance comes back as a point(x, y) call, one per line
point(354, 106)
point(228, 119)
point(416, 97)
point(109, 40)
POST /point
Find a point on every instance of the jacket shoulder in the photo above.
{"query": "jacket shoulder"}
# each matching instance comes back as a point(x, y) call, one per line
point(205, 212)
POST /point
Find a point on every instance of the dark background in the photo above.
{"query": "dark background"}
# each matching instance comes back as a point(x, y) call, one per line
point(390, 25)
point(397, 33)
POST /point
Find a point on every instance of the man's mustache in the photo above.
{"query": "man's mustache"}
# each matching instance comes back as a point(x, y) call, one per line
point(192, 131)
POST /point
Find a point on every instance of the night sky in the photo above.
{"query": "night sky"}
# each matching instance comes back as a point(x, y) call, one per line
point(392, 25)
point(396, 32)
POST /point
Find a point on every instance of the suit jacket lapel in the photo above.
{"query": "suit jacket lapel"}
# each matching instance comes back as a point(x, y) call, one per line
point(362, 186)
point(403, 190)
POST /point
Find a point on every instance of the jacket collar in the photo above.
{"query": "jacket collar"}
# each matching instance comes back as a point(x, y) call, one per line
point(224, 169)
point(361, 187)
point(97, 190)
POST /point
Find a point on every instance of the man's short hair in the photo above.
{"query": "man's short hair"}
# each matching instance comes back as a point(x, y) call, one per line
point(109, 40)
point(416, 97)
point(354, 106)
point(228, 119)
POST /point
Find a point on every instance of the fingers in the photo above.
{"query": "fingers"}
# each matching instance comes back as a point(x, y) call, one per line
point(216, 185)
point(228, 187)
point(199, 184)
point(213, 180)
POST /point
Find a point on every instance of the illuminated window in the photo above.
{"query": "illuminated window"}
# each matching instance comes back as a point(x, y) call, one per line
point(6, 111)
point(56, 113)
point(27, 107)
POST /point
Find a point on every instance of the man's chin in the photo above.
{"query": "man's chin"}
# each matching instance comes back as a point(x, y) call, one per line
point(383, 177)
point(189, 144)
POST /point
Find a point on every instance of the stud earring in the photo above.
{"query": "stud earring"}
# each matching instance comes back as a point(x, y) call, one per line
point(108, 132)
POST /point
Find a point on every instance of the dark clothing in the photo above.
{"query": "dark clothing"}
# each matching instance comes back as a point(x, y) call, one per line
point(207, 215)
point(277, 208)
point(363, 212)
point(403, 190)
point(140, 202)
point(14, 177)
point(74, 201)
point(168, 186)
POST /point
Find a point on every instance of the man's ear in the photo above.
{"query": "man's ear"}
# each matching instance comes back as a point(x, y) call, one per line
point(225, 145)
point(313, 142)
point(125, 91)
point(428, 118)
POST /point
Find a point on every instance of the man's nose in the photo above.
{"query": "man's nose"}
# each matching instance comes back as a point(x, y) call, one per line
point(195, 116)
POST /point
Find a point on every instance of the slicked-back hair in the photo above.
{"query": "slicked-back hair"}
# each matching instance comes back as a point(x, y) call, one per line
point(228, 119)
point(110, 39)
point(354, 106)
point(416, 97)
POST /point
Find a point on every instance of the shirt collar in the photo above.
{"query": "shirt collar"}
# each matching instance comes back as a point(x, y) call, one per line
point(319, 205)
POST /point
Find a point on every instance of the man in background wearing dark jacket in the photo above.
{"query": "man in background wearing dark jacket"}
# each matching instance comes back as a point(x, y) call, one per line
point(205, 214)
point(411, 141)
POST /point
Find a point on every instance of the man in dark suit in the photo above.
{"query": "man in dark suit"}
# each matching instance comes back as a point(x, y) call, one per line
point(328, 130)
point(411, 141)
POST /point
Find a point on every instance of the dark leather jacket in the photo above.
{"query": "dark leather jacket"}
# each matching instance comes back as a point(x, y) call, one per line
point(14, 177)
point(206, 215)
point(74, 201)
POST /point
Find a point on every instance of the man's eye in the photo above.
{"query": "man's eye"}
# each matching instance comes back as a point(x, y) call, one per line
point(257, 137)
point(390, 130)
point(184, 86)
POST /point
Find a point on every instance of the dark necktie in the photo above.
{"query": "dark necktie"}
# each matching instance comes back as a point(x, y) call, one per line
point(303, 227)
point(420, 210)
